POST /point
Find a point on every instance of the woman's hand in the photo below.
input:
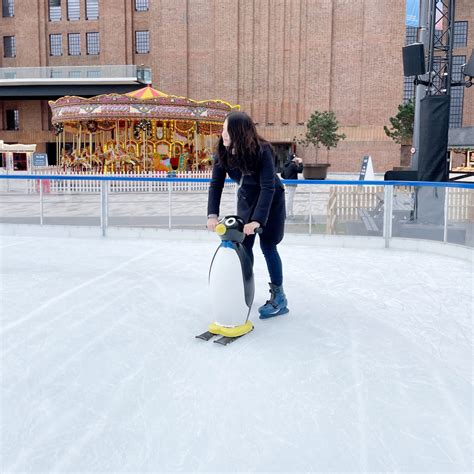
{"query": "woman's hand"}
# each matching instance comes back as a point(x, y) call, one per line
point(211, 224)
point(249, 229)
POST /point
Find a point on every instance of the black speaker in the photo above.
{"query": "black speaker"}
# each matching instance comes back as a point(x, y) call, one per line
point(402, 175)
point(414, 60)
point(433, 147)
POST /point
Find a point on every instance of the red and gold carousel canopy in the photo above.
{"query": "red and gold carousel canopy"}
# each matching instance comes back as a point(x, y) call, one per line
point(145, 103)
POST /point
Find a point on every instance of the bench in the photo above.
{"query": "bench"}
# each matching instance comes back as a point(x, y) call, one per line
point(369, 222)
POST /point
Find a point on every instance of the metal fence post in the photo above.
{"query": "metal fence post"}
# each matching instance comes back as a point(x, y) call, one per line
point(41, 200)
point(310, 217)
point(446, 207)
point(169, 205)
point(387, 214)
point(104, 207)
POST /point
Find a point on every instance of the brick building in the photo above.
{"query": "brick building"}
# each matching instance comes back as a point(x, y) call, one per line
point(279, 59)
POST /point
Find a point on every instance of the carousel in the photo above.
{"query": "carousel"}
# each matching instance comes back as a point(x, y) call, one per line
point(142, 131)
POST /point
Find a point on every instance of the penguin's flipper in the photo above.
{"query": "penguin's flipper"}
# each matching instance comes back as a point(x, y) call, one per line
point(247, 274)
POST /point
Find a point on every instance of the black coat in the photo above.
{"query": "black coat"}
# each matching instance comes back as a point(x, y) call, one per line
point(291, 170)
point(261, 196)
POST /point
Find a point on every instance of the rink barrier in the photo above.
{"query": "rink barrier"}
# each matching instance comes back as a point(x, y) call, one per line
point(348, 200)
point(42, 177)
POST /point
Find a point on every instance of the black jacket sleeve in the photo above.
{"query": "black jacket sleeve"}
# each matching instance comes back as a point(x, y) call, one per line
point(215, 189)
point(267, 186)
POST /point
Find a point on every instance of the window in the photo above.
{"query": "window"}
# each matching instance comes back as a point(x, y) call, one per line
point(74, 74)
point(141, 5)
point(9, 47)
point(142, 42)
point(457, 93)
point(13, 119)
point(54, 10)
point(8, 8)
point(73, 10)
point(92, 40)
point(56, 45)
point(74, 44)
point(408, 89)
point(410, 35)
point(93, 73)
point(92, 9)
point(460, 34)
point(19, 161)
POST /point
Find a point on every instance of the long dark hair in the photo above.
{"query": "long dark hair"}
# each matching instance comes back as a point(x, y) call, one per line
point(245, 144)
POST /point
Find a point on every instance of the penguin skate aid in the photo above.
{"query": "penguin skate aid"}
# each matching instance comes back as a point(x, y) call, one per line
point(231, 281)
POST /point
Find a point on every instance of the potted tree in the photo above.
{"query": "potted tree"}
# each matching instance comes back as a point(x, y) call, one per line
point(321, 130)
point(401, 130)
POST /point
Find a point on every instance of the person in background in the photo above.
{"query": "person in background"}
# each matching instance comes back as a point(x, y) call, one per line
point(248, 159)
point(291, 168)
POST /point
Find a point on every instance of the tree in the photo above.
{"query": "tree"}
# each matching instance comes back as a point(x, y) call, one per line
point(401, 131)
point(402, 124)
point(321, 130)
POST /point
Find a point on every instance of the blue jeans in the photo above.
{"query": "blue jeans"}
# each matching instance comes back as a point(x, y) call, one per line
point(272, 257)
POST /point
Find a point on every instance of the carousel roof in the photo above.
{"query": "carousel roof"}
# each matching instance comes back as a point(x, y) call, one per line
point(145, 103)
point(147, 93)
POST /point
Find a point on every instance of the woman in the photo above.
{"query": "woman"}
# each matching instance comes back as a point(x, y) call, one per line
point(248, 160)
point(291, 168)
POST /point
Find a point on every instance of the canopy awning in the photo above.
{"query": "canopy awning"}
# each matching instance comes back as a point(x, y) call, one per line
point(145, 103)
point(146, 93)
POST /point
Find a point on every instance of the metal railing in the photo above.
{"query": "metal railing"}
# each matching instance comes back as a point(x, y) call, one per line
point(108, 73)
point(382, 209)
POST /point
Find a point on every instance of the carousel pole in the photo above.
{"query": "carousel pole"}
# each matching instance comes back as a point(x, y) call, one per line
point(210, 137)
point(97, 149)
point(79, 146)
point(90, 149)
point(144, 150)
point(196, 160)
point(62, 152)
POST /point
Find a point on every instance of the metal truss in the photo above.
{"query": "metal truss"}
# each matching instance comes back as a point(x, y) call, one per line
point(440, 49)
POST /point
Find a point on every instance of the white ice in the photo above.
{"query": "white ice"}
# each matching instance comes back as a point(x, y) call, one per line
point(100, 371)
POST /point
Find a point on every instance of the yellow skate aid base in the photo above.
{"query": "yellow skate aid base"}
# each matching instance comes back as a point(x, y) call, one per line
point(235, 331)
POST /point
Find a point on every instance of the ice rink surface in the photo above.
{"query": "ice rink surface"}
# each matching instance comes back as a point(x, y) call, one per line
point(100, 371)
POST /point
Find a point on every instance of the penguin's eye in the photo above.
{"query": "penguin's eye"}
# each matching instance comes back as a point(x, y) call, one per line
point(230, 222)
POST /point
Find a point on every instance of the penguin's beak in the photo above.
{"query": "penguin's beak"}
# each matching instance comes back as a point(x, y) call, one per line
point(221, 229)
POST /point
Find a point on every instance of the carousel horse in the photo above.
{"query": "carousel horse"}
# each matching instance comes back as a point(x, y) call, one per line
point(183, 162)
point(66, 160)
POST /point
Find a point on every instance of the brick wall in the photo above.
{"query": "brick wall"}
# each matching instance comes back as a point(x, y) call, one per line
point(279, 59)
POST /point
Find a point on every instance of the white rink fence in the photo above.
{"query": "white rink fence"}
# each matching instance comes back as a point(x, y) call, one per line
point(78, 182)
point(442, 212)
